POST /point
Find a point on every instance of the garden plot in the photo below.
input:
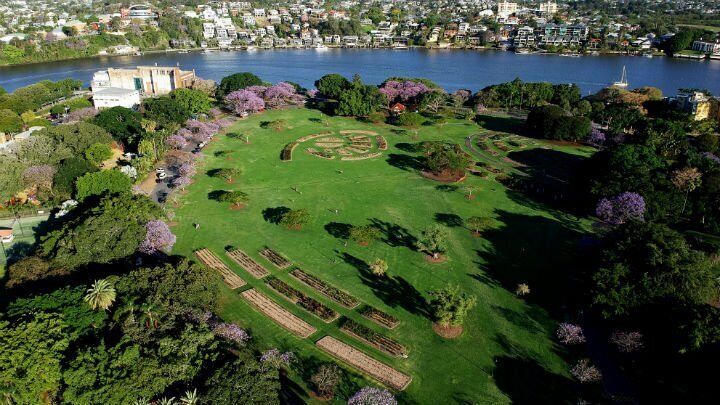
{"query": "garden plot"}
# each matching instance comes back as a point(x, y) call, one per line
point(275, 258)
point(305, 302)
point(361, 361)
point(209, 259)
point(348, 145)
point(247, 263)
point(379, 317)
point(280, 315)
point(335, 294)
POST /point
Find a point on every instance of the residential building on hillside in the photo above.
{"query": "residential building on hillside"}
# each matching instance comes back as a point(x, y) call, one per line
point(109, 97)
point(712, 48)
point(548, 8)
point(148, 80)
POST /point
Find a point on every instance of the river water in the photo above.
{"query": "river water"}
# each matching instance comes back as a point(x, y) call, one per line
point(452, 69)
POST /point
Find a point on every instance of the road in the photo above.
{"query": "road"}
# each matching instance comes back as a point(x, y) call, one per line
point(162, 187)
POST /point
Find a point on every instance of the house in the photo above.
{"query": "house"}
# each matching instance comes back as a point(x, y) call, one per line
point(708, 47)
point(398, 108)
point(6, 235)
point(548, 8)
point(506, 8)
point(699, 105)
point(148, 80)
point(109, 97)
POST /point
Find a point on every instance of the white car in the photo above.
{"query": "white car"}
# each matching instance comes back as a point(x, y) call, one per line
point(161, 175)
point(160, 170)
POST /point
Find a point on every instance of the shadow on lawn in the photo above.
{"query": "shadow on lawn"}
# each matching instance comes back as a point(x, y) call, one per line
point(338, 230)
point(394, 291)
point(502, 124)
point(394, 235)
point(449, 220)
point(527, 382)
point(274, 215)
point(406, 162)
point(538, 251)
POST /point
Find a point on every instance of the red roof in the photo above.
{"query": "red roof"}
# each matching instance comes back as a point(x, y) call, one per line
point(5, 232)
point(398, 107)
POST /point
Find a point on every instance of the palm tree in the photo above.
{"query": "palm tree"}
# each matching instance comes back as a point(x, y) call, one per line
point(166, 401)
point(101, 294)
point(190, 398)
point(142, 401)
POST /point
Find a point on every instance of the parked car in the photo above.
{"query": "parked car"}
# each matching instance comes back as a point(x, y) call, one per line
point(161, 175)
point(160, 170)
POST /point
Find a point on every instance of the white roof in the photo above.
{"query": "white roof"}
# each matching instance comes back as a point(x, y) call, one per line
point(113, 92)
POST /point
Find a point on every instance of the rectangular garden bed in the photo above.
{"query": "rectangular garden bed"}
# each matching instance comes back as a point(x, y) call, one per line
point(210, 260)
point(361, 361)
point(374, 339)
point(379, 317)
point(280, 315)
point(275, 258)
point(247, 263)
point(335, 294)
point(297, 297)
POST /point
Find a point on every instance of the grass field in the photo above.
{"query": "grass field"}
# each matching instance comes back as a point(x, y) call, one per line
point(507, 352)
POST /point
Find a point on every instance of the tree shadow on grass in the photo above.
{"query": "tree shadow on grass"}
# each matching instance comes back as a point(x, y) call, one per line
point(502, 124)
point(338, 230)
point(406, 162)
point(538, 251)
point(315, 120)
point(394, 291)
point(215, 195)
point(527, 382)
point(274, 215)
point(447, 188)
point(408, 147)
point(449, 220)
point(394, 235)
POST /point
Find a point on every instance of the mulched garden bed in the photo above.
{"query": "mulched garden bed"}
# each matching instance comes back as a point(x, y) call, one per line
point(379, 317)
point(275, 258)
point(335, 294)
point(448, 333)
point(297, 297)
point(372, 338)
point(454, 178)
point(439, 259)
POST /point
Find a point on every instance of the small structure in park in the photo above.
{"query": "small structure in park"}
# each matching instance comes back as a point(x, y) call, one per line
point(6, 235)
point(398, 108)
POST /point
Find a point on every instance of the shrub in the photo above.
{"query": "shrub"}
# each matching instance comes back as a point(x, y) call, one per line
point(552, 122)
point(295, 219)
point(570, 334)
point(364, 234)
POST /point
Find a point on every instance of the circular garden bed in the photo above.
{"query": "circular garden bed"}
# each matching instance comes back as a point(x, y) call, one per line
point(343, 145)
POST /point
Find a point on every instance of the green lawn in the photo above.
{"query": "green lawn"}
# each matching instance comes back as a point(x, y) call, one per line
point(507, 352)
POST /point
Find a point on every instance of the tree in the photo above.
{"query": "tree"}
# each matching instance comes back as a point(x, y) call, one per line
point(434, 241)
point(237, 198)
point(39, 177)
point(295, 219)
point(243, 380)
point(103, 182)
point(479, 224)
point(359, 99)
point(686, 179)
point(67, 172)
point(446, 160)
point(10, 122)
point(165, 111)
point(379, 267)
point(104, 232)
point(450, 306)
point(364, 234)
point(31, 358)
point(122, 123)
point(98, 153)
point(193, 101)
point(100, 295)
point(372, 396)
point(648, 264)
point(244, 102)
point(29, 269)
point(624, 207)
point(332, 85)
point(227, 173)
point(237, 81)
point(78, 136)
point(411, 120)
point(552, 122)
point(326, 380)
point(157, 237)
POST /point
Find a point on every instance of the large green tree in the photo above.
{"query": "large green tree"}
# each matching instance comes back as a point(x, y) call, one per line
point(243, 380)
point(236, 81)
point(102, 182)
point(10, 122)
point(122, 123)
point(194, 101)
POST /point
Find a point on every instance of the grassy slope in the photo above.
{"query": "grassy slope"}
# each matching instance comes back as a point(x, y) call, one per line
point(507, 350)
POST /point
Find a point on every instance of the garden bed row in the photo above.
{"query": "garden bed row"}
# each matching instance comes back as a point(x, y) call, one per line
point(275, 258)
point(247, 263)
point(313, 136)
point(280, 315)
point(335, 294)
point(210, 260)
point(297, 297)
point(361, 361)
point(382, 143)
point(374, 339)
point(379, 317)
point(287, 151)
point(370, 156)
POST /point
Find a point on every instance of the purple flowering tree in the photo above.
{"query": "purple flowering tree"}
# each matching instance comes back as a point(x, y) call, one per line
point(627, 341)
point(176, 142)
point(585, 372)
point(244, 102)
point(280, 95)
point(623, 207)
point(372, 396)
point(276, 359)
point(181, 182)
point(224, 123)
point(596, 138)
point(231, 331)
point(185, 133)
point(81, 114)
point(312, 93)
point(40, 177)
point(186, 170)
point(158, 237)
point(215, 112)
point(405, 92)
point(570, 334)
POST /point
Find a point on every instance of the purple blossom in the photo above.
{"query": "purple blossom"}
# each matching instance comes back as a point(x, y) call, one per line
point(231, 331)
point(280, 95)
point(181, 181)
point(185, 133)
point(274, 358)
point(215, 112)
point(224, 123)
point(186, 170)
point(158, 237)
point(711, 156)
point(627, 342)
point(39, 176)
point(621, 208)
point(570, 334)
point(406, 92)
point(176, 141)
point(596, 137)
point(244, 102)
point(80, 115)
point(372, 396)
point(313, 93)
point(585, 372)
point(201, 131)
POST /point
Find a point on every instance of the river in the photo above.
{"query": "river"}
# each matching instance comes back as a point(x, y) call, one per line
point(452, 69)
